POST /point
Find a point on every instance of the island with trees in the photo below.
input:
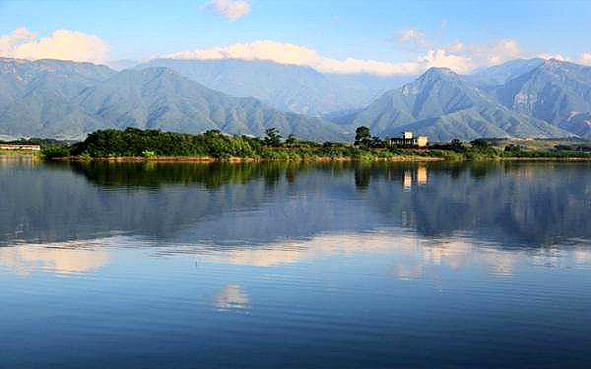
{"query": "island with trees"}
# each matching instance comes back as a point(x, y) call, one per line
point(149, 144)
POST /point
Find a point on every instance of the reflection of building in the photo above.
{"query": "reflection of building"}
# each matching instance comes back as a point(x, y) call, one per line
point(422, 175)
point(418, 175)
point(407, 181)
point(407, 139)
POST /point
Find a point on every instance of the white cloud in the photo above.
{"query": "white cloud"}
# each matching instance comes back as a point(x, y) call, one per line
point(232, 10)
point(585, 58)
point(558, 57)
point(15, 37)
point(406, 35)
point(505, 49)
point(443, 59)
point(60, 44)
point(287, 53)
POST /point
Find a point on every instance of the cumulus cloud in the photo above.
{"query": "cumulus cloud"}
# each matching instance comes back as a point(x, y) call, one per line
point(443, 59)
point(287, 53)
point(19, 35)
point(585, 58)
point(504, 50)
point(232, 10)
point(60, 44)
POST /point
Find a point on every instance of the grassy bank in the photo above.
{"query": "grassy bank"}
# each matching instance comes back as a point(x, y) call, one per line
point(154, 145)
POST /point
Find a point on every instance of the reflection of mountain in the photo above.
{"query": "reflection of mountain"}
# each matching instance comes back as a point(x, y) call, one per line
point(229, 206)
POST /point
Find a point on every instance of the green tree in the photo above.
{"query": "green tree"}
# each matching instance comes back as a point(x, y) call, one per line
point(272, 137)
point(376, 142)
point(291, 140)
point(481, 144)
point(362, 136)
point(457, 145)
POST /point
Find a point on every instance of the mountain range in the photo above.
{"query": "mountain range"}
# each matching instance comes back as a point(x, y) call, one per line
point(520, 98)
point(51, 98)
point(294, 88)
point(443, 105)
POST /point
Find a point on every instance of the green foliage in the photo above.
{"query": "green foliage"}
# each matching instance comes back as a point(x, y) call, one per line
point(272, 137)
point(55, 151)
point(291, 140)
point(213, 143)
point(150, 142)
point(362, 136)
point(481, 144)
point(514, 148)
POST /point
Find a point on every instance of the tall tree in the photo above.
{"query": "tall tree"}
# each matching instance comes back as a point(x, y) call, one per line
point(272, 138)
point(362, 136)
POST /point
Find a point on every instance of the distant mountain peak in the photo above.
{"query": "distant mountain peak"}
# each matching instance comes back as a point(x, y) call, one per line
point(439, 72)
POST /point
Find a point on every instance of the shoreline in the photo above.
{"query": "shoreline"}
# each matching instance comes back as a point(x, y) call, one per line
point(320, 159)
point(239, 159)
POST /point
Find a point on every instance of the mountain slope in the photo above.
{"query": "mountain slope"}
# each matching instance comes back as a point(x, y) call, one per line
point(556, 92)
point(287, 87)
point(51, 103)
point(442, 105)
point(500, 74)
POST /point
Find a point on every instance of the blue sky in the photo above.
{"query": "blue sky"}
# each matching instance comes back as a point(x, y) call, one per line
point(407, 34)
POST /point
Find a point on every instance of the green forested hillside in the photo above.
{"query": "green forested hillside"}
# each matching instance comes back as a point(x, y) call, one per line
point(69, 100)
point(443, 106)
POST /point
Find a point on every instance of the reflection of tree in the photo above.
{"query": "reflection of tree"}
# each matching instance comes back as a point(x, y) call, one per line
point(211, 175)
point(530, 203)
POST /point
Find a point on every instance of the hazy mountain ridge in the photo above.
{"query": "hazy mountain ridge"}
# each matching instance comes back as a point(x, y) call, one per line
point(557, 92)
point(286, 87)
point(443, 105)
point(504, 72)
point(66, 103)
point(54, 98)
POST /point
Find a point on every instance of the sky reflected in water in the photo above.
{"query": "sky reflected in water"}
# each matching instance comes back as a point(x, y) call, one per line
point(295, 265)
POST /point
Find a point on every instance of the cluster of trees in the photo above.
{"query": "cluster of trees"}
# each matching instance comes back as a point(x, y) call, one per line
point(43, 142)
point(363, 138)
point(150, 142)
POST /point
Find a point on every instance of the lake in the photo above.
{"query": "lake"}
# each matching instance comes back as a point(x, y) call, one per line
point(295, 265)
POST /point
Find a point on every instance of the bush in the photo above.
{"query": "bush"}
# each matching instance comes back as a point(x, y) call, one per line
point(55, 151)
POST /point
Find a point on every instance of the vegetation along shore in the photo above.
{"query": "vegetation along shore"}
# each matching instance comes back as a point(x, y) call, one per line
point(134, 144)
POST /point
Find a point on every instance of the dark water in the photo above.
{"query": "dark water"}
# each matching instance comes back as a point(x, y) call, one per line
point(286, 265)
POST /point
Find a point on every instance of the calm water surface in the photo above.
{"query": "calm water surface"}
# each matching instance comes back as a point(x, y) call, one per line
point(286, 265)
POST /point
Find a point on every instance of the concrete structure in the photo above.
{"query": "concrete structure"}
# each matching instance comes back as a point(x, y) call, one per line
point(20, 147)
point(407, 139)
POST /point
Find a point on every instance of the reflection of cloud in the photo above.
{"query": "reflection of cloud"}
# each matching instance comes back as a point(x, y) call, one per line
point(230, 297)
point(411, 254)
point(67, 257)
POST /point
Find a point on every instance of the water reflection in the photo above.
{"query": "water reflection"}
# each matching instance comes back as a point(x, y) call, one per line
point(230, 297)
point(471, 263)
point(410, 254)
point(67, 257)
point(511, 204)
